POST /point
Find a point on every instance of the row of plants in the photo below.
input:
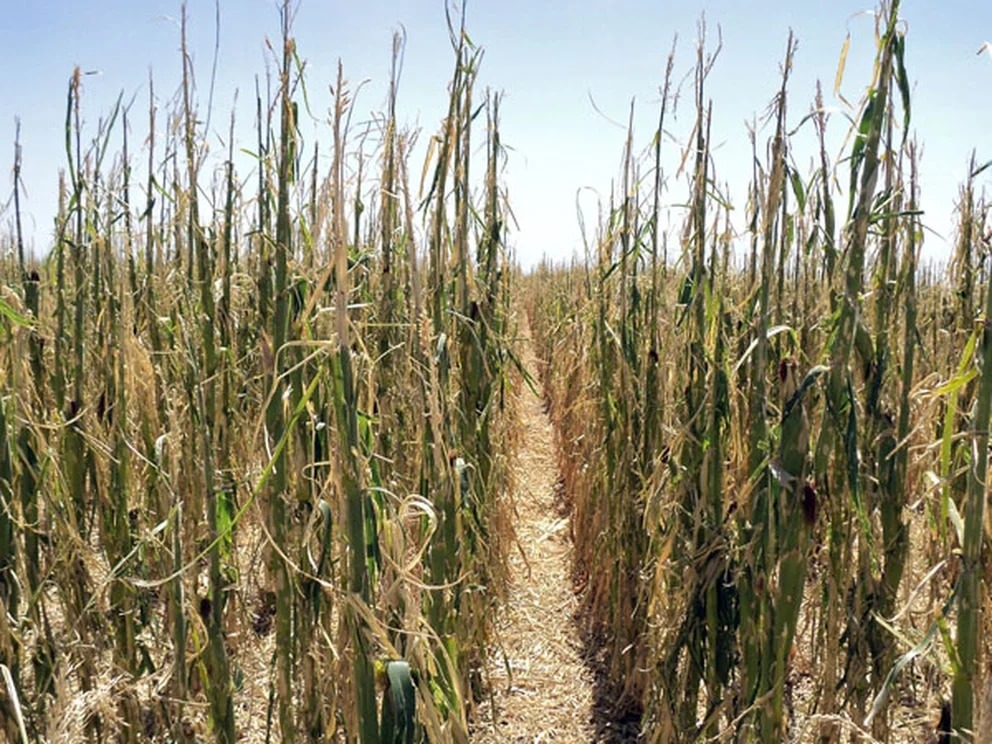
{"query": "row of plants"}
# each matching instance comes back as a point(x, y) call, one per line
point(255, 427)
point(775, 437)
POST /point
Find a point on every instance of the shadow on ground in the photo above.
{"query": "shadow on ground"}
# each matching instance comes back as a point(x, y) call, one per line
point(610, 725)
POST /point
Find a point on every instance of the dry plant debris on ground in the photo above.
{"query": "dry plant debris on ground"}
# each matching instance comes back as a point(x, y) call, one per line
point(542, 691)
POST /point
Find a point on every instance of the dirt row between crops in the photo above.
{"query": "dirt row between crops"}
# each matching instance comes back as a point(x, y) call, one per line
point(542, 689)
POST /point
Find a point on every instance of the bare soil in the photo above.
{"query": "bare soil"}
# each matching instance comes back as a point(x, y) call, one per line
point(542, 689)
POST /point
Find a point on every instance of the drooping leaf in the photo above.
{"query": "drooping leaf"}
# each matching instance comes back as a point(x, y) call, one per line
point(399, 705)
point(13, 316)
point(902, 79)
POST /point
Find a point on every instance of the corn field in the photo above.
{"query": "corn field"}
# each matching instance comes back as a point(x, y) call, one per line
point(258, 430)
point(775, 440)
point(255, 430)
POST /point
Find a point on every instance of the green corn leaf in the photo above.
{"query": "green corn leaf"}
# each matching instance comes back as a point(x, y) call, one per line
point(902, 79)
point(328, 536)
point(399, 705)
point(13, 316)
point(957, 382)
point(980, 169)
point(811, 377)
point(949, 644)
point(871, 120)
point(797, 188)
point(939, 627)
point(225, 520)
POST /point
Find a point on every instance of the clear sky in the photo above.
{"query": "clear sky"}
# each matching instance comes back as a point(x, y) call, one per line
point(551, 59)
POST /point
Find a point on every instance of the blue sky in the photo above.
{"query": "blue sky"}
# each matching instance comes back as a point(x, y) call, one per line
point(551, 59)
